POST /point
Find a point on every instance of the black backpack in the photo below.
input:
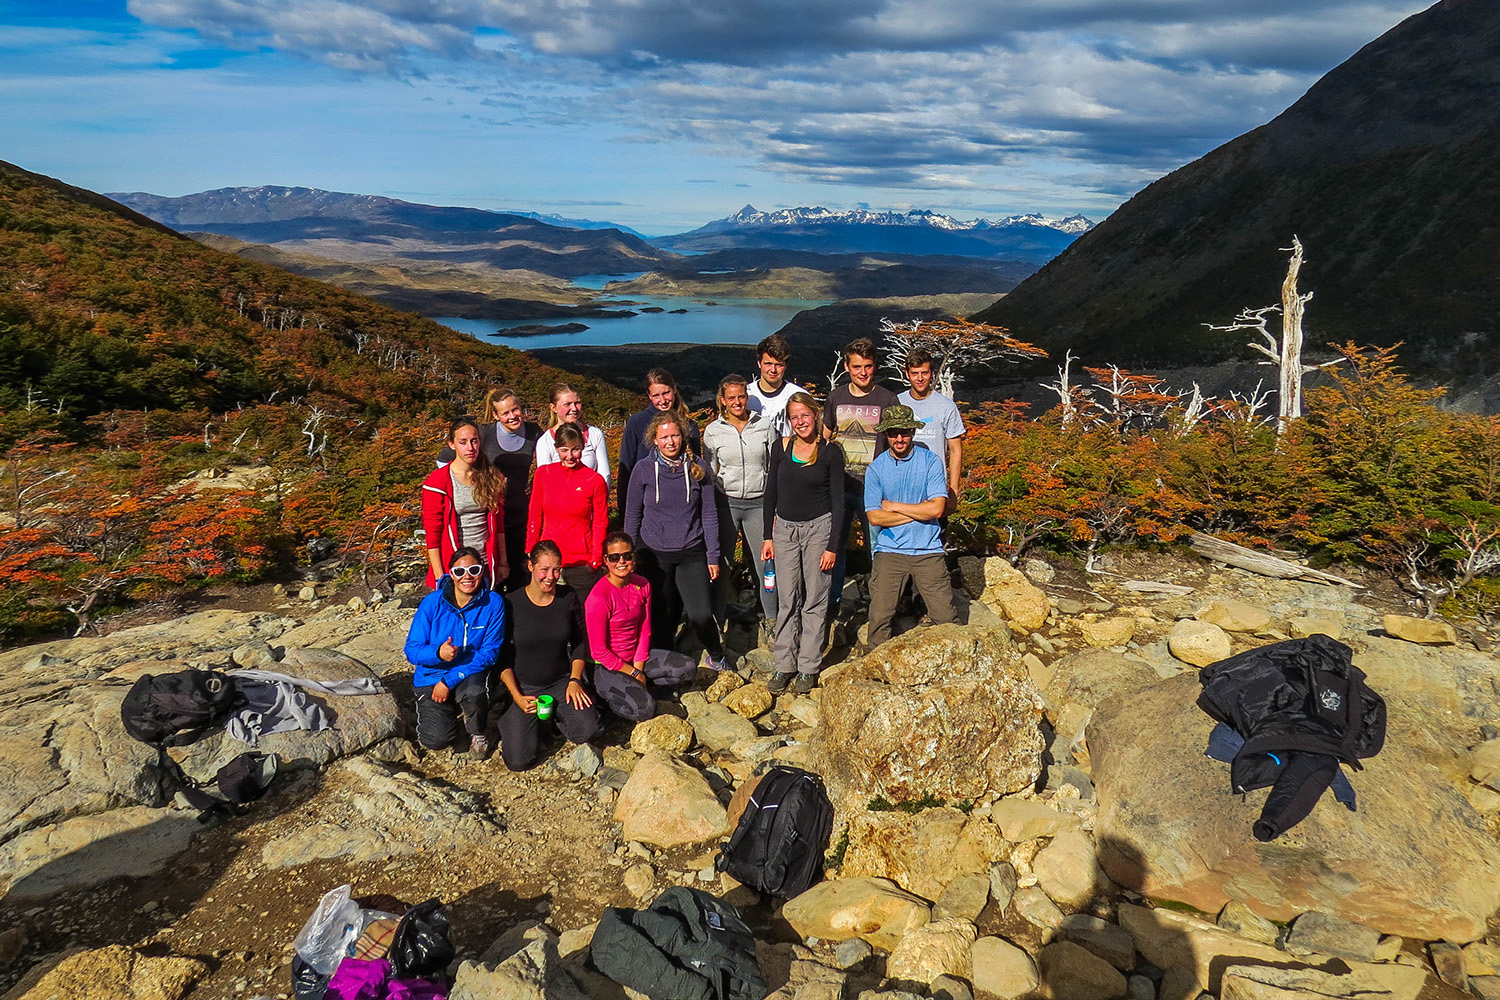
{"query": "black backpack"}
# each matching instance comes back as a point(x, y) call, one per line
point(688, 945)
point(169, 710)
point(778, 845)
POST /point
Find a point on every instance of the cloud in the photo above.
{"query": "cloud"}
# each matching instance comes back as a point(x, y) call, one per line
point(961, 96)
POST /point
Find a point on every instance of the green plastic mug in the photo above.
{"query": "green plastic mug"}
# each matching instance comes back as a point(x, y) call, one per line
point(544, 705)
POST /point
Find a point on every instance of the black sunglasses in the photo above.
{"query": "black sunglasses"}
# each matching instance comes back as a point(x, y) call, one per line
point(615, 557)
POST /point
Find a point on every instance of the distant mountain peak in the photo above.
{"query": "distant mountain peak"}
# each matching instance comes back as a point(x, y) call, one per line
point(750, 217)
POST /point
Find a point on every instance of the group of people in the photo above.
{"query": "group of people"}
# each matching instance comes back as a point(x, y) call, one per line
point(532, 590)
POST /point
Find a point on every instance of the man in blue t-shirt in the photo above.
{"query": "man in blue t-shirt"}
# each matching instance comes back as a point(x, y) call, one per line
point(906, 492)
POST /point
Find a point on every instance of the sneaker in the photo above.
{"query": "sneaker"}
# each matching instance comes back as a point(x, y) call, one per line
point(805, 683)
point(718, 664)
point(479, 747)
point(779, 683)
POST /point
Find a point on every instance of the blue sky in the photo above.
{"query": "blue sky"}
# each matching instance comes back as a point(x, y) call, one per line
point(659, 114)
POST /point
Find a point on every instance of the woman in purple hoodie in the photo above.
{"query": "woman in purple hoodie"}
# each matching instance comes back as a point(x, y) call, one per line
point(671, 513)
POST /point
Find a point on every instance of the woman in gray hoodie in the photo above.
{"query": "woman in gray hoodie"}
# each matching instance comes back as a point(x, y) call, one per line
point(671, 513)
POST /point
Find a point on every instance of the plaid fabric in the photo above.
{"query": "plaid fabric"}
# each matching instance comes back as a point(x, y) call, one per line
point(376, 940)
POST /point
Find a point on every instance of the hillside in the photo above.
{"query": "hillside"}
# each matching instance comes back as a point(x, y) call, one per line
point(1386, 169)
point(366, 228)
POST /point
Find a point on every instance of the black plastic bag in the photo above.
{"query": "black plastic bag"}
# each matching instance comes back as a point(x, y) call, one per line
point(307, 983)
point(421, 946)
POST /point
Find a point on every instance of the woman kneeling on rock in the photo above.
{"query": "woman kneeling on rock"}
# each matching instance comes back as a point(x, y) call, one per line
point(454, 639)
point(546, 657)
point(618, 612)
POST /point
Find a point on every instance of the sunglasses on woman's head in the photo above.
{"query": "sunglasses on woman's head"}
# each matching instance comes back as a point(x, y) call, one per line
point(615, 557)
point(471, 570)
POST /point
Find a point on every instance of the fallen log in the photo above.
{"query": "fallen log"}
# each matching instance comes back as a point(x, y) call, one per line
point(1240, 557)
point(1156, 587)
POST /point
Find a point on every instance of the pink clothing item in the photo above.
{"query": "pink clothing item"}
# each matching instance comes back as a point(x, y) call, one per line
point(370, 979)
point(619, 622)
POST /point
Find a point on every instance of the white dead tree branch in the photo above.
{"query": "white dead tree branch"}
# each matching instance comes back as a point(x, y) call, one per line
point(1070, 398)
point(837, 374)
point(1285, 351)
point(956, 346)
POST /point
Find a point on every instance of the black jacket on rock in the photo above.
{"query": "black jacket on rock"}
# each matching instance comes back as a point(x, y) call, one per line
point(1303, 708)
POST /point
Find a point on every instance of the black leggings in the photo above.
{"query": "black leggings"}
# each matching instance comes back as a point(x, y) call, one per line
point(679, 582)
point(520, 730)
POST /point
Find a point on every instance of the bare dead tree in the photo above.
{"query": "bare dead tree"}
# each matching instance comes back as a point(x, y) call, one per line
point(837, 374)
point(1071, 399)
point(1285, 351)
point(956, 345)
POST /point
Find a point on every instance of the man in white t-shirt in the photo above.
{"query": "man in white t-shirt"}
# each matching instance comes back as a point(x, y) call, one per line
point(770, 392)
point(944, 432)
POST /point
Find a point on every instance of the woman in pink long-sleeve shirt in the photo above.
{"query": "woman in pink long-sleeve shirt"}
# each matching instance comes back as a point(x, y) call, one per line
point(618, 617)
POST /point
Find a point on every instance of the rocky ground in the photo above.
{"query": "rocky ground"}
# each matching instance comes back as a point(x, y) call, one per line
point(1011, 798)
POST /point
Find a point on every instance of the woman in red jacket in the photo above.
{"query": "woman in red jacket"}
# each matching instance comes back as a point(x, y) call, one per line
point(463, 505)
point(570, 506)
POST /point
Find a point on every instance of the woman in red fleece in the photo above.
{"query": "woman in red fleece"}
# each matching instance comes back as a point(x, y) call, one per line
point(463, 505)
point(570, 506)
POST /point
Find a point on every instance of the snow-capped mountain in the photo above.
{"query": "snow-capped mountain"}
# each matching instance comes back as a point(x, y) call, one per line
point(1033, 237)
point(749, 216)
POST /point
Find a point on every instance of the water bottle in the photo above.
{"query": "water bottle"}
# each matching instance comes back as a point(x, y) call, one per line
point(769, 581)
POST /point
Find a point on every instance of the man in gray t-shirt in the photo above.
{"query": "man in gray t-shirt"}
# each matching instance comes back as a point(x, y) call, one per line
point(943, 434)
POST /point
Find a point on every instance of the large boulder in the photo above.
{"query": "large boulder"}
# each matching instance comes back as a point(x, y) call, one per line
point(114, 972)
point(371, 813)
point(1415, 860)
point(939, 948)
point(873, 909)
point(997, 583)
point(948, 712)
point(922, 853)
point(667, 803)
point(1090, 677)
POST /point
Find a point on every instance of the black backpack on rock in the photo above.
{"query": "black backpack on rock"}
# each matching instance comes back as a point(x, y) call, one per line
point(778, 845)
point(688, 945)
point(170, 710)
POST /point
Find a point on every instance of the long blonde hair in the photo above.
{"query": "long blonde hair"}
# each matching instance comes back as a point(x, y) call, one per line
point(817, 412)
point(486, 481)
point(661, 420)
point(495, 395)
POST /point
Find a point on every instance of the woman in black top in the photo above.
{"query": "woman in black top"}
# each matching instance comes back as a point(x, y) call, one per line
point(508, 440)
point(545, 655)
point(803, 505)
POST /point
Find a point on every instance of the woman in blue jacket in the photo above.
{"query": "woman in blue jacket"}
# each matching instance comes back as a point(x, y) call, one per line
point(454, 639)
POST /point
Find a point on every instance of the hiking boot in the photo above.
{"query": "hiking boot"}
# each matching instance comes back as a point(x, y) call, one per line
point(479, 747)
point(805, 683)
point(779, 683)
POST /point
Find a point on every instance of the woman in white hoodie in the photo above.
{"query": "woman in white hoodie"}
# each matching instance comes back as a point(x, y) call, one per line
point(737, 447)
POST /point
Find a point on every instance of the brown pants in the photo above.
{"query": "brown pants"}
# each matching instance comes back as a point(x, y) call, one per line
point(888, 579)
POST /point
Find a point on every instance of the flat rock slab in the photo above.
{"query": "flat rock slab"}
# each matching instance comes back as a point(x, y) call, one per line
point(1415, 860)
point(132, 842)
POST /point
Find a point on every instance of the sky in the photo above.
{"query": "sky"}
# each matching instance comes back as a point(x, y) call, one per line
point(660, 114)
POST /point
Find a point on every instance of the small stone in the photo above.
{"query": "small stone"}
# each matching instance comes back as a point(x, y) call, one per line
point(1038, 570)
point(639, 880)
point(1388, 949)
point(1485, 987)
point(722, 685)
point(1021, 820)
point(750, 701)
point(1073, 973)
point(13, 941)
point(1001, 969)
point(965, 897)
point(1234, 616)
point(1323, 934)
point(1067, 870)
point(665, 732)
point(1448, 961)
point(357, 605)
point(1302, 627)
point(1237, 918)
point(1198, 643)
point(850, 953)
point(1423, 631)
point(947, 987)
point(279, 590)
point(1002, 884)
point(1109, 941)
point(1108, 632)
point(308, 594)
point(1032, 905)
point(1140, 988)
point(806, 711)
point(1481, 959)
point(936, 949)
point(586, 760)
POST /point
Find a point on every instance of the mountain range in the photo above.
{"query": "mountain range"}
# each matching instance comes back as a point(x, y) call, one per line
point(1030, 238)
point(365, 229)
point(1386, 170)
